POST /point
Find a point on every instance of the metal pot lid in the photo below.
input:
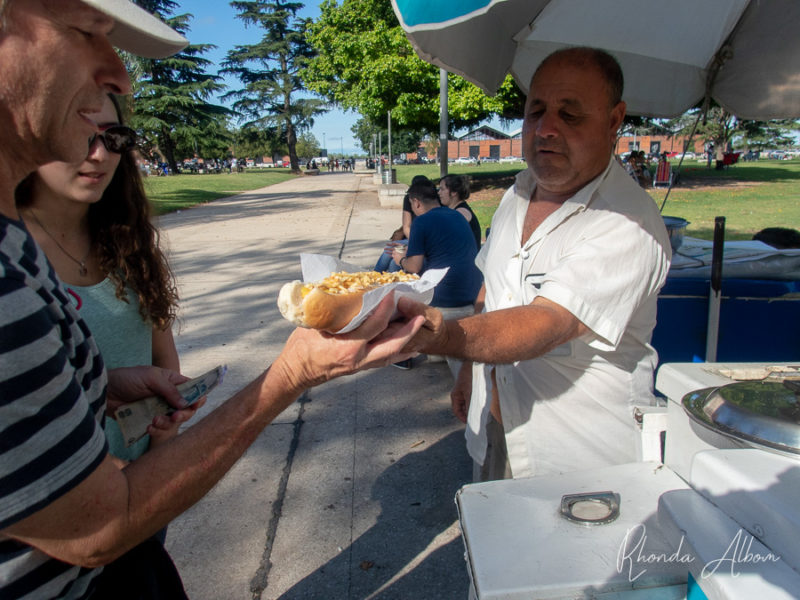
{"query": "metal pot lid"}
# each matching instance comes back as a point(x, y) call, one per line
point(764, 413)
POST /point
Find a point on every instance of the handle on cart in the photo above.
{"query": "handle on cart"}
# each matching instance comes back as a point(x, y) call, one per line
point(714, 297)
point(716, 254)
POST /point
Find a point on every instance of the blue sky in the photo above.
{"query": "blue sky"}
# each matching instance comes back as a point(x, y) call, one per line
point(215, 23)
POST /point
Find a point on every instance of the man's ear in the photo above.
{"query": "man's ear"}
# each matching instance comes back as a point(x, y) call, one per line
point(617, 116)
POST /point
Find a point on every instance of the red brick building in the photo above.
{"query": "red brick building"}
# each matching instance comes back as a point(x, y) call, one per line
point(656, 144)
point(487, 142)
point(483, 142)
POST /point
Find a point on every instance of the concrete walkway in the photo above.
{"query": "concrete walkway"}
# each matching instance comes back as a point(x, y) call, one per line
point(349, 494)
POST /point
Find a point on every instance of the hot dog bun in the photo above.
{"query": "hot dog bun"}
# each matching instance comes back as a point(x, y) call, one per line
point(330, 304)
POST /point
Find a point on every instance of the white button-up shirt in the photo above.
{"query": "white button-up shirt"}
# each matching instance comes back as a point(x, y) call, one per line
point(603, 255)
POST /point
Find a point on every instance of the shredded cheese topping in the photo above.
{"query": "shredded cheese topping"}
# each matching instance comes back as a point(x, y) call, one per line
point(346, 283)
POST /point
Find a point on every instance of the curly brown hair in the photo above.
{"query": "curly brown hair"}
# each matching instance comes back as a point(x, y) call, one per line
point(126, 241)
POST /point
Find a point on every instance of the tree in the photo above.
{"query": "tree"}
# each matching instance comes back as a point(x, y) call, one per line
point(214, 141)
point(722, 128)
point(307, 145)
point(255, 141)
point(269, 71)
point(171, 108)
point(403, 140)
point(767, 135)
point(365, 63)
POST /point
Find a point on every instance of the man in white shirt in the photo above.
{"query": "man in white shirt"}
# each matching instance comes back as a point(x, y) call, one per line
point(572, 270)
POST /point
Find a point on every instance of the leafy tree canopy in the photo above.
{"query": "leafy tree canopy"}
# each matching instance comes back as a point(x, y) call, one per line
point(403, 140)
point(365, 63)
point(307, 145)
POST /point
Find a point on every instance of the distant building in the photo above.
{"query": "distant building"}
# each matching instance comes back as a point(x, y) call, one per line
point(486, 142)
point(481, 143)
point(656, 144)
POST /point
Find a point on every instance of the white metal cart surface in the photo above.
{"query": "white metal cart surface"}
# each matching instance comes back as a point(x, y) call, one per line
point(719, 519)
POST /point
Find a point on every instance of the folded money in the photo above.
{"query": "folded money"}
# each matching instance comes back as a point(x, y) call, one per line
point(134, 418)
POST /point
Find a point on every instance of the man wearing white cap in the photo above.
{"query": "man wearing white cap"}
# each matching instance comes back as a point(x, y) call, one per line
point(66, 508)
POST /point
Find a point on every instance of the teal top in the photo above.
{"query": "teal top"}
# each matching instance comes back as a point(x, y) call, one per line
point(124, 339)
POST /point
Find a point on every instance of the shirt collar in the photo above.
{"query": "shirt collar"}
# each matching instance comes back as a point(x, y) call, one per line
point(526, 184)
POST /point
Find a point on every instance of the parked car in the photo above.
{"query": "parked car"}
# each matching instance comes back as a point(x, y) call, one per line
point(488, 159)
point(465, 160)
point(510, 159)
point(780, 155)
point(686, 155)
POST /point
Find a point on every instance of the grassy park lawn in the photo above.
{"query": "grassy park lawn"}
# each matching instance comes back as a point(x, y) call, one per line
point(751, 196)
point(177, 192)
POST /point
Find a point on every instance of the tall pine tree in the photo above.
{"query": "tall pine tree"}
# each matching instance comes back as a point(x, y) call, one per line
point(269, 69)
point(171, 108)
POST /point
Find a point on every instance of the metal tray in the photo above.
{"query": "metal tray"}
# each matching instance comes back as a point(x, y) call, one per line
point(762, 413)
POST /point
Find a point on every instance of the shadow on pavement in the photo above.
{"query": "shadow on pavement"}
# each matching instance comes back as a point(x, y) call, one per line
point(416, 495)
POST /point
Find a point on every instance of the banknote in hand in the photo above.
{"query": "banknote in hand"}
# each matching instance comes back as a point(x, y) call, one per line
point(134, 418)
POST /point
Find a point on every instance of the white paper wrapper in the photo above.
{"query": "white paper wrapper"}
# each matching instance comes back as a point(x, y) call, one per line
point(319, 266)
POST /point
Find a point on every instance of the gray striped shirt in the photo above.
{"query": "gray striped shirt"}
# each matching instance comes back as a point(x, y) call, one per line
point(52, 401)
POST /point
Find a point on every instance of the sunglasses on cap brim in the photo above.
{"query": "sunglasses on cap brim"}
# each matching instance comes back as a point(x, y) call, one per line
point(116, 139)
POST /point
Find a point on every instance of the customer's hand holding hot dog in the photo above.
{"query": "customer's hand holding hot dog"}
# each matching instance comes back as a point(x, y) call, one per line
point(311, 357)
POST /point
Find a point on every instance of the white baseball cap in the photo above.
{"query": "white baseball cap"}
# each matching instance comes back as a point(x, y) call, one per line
point(137, 31)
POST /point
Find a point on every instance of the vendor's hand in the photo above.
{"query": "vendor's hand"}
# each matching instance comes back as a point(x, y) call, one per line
point(432, 336)
point(461, 394)
point(128, 384)
point(311, 357)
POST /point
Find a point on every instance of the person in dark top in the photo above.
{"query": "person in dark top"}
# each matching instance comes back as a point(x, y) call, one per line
point(453, 193)
point(400, 236)
point(441, 238)
point(779, 237)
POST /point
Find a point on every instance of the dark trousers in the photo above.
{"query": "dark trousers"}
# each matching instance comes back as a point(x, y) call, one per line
point(144, 573)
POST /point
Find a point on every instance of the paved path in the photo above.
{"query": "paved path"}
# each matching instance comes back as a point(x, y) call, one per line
point(349, 493)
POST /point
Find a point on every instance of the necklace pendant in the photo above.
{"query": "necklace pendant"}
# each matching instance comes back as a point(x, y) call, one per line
point(83, 270)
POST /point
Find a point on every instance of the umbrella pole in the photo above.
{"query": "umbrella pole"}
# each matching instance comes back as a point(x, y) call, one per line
point(444, 121)
point(680, 162)
point(715, 293)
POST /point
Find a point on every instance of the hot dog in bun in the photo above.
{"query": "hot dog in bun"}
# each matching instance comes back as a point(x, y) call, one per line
point(330, 304)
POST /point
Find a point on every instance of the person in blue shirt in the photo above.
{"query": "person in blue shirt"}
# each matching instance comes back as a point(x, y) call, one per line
point(441, 238)
point(400, 237)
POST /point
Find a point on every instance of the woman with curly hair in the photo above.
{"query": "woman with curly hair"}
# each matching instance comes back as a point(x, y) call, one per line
point(92, 219)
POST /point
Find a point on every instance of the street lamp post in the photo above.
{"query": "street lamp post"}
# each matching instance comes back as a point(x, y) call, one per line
point(391, 170)
point(341, 145)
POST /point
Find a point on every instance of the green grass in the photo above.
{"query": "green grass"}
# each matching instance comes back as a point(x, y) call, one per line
point(751, 196)
point(486, 172)
point(177, 192)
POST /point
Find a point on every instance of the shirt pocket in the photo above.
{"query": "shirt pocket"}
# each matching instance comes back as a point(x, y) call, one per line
point(532, 283)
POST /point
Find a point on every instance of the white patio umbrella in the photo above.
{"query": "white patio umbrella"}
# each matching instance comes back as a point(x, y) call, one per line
point(745, 54)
